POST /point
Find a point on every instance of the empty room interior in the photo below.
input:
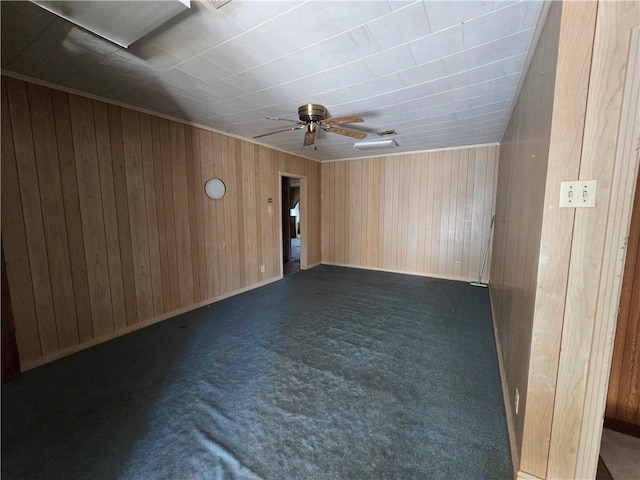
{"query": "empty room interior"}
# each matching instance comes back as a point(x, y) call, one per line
point(373, 239)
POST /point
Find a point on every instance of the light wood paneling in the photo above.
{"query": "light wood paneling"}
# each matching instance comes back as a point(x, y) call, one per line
point(531, 254)
point(555, 277)
point(599, 238)
point(540, 148)
point(410, 213)
point(106, 227)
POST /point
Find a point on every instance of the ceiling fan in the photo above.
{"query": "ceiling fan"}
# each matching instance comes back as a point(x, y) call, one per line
point(312, 117)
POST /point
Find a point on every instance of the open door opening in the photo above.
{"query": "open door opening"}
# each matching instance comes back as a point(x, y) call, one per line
point(292, 206)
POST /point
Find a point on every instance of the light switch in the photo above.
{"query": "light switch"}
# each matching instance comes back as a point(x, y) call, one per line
point(578, 194)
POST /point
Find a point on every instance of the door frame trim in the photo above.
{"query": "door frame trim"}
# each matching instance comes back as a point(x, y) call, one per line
point(303, 216)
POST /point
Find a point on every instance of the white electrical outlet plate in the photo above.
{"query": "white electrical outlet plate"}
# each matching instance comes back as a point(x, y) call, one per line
point(578, 194)
point(517, 401)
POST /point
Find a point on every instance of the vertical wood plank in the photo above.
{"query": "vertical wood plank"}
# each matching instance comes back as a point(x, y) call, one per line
point(246, 176)
point(477, 221)
point(103, 146)
point(461, 196)
point(468, 213)
point(429, 264)
point(266, 188)
point(413, 219)
point(160, 215)
point(382, 182)
point(31, 204)
point(122, 213)
point(198, 198)
point(235, 235)
point(75, 235)
point(263, 213)
point(387, 222)
point(193, 221)
point(14, 241)
point(404, 172)
point(423, 237)
point(151, 208)
point(454, 156)
point(167, 187)
point(87, 168)
point(352, 215)
point(397, 194)
point(440, 206)
point(137, 212)
point(210, 219)
point(50, 186)
point(223, 213)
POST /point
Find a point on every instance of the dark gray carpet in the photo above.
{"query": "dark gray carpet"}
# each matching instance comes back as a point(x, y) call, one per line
point(332, 373)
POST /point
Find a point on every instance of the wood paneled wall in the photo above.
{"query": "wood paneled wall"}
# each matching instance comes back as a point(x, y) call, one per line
point(524, 156)
point(555, 295)
point(106, 226)
point(610, 155)
point(541, 147)
point(426, 213)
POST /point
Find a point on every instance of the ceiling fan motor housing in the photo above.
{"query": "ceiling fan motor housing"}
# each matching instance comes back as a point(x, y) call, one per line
point(312, 113)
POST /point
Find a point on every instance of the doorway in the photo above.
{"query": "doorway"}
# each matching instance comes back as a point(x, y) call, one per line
point(292, 208)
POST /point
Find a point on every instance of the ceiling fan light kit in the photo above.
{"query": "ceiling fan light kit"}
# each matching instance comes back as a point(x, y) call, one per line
point(312, 117)
point(375, 145)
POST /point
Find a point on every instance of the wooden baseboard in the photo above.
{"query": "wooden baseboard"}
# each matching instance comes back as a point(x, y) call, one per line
point(508, 410)
point(309, 267)
point(404, 272)
point(137, 326)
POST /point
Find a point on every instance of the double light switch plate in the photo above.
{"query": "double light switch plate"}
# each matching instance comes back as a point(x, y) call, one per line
point(578, 194)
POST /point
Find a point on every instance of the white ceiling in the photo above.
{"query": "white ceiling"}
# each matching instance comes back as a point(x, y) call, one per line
point(440, 73)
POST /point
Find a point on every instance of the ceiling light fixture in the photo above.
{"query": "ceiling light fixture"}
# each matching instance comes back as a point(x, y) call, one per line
point(376, 145)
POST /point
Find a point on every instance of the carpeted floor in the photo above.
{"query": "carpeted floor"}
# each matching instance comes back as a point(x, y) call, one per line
point(331, 373)
point(619, 454)
point(293, 264)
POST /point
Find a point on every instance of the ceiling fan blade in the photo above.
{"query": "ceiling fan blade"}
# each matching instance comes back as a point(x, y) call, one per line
point(309, 137)
point(286, 120)
point(280, 131)
point(338, 120)
point(345, 132)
